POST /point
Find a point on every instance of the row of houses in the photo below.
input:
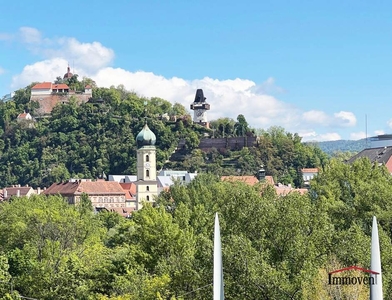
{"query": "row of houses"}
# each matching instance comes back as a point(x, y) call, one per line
point(119, 192)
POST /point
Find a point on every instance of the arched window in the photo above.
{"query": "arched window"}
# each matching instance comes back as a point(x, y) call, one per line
point(148, 173)
point(147, 157)
point(147, 188)
point(148, 198)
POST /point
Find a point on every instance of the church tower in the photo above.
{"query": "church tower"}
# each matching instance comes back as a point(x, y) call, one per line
point(146, 184)
point(200, 107)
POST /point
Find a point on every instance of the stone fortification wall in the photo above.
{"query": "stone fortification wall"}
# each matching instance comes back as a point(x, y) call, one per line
point(231, 143)
point(48, 102)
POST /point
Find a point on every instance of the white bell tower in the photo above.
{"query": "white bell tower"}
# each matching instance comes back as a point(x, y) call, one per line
point(146, 184)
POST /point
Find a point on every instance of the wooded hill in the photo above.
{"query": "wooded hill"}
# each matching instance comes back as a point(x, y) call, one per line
point(333, 147)
point(85, 141)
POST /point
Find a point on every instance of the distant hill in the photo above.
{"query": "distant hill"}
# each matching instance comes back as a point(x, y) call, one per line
point(331, 147)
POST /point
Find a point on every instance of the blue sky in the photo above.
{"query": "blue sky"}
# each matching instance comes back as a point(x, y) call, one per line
point(313, 67)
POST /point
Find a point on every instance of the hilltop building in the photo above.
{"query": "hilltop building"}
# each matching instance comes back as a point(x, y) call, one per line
point(49, 94)
point(200, 107)
point(68, 75)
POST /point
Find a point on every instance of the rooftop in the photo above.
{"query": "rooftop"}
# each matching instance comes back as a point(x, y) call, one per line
point(78, 187)
point(380, 155)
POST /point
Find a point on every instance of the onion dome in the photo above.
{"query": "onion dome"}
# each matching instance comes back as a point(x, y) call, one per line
point(68, 74)
point(145, 137)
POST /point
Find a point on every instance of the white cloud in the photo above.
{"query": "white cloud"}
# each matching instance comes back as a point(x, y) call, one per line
point(316, 117)
point(345, 119)
point(88, 57)
point(267, 87)
point(357, 135)
point(308, 136)
point(30, 35)
point(379, 132)
point(331, 136)
point(6, 36)
point(390, 123)
point(339, 119)
point(46, 70)
point(1, 70)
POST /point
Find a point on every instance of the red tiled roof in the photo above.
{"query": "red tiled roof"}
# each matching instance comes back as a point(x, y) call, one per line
point(88, 187)
point(22, 116)
point(129, 189)
point(251, 180)
point(49, 85)
point(63, 188)
point(12, 191)
point(310, 170)
point(270, 180)
point(60, 86)
point(43, 85)
point(100, 187)
point(88, 86)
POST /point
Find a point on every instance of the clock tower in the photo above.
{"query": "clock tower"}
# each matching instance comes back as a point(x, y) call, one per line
point(146, 184)
point(200, 107)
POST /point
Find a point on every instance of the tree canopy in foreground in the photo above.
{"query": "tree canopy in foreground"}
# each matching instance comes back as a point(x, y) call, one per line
point(273, 247)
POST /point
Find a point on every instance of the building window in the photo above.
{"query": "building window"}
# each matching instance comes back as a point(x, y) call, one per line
point(148, 173)
point(147, 157)
point(147, 188)
point(148, 198)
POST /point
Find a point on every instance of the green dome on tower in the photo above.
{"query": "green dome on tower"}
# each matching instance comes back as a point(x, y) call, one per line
point(145, 137)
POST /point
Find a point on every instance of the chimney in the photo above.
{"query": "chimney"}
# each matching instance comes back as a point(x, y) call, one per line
point(18, 193)
point(38, 190)
point(261, 174)
point(5, 194)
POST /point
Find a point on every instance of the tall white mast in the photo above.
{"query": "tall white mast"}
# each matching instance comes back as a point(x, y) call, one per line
point(218, 268)
point(375, 264)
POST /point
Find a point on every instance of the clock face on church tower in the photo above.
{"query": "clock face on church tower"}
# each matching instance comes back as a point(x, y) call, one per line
point(199, 113)
point(147, 165)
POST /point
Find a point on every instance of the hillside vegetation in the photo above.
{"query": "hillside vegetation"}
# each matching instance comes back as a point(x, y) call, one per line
point(333, 147)
point(85, 141)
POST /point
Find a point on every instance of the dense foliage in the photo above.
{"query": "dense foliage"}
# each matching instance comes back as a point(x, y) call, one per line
point(273, 247)
point(85, 141)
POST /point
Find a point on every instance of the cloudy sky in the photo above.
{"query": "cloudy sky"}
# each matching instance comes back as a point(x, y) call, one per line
point(319, 70)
